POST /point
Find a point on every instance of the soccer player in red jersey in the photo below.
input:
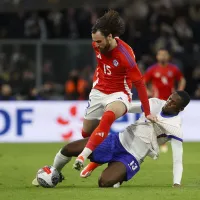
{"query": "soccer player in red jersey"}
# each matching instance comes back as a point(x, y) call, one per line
point(111, 95)
point(163, 76)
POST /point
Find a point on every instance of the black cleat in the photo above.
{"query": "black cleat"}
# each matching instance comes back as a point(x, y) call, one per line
point(61, 177)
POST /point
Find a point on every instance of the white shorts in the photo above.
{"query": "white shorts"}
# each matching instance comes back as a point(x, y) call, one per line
point(98, 101)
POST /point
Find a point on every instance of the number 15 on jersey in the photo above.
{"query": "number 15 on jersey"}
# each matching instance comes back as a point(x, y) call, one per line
point(107, 69)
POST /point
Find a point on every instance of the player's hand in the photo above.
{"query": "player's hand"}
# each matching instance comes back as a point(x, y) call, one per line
point(176, 185)
point(152, 118)
point(149, 93)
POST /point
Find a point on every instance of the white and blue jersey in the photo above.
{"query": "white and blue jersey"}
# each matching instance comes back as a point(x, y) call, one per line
point(152, 134)
point(143, 139)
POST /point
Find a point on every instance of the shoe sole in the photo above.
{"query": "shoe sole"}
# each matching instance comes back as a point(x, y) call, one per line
point(78, 165)
point(86, 175)
point(35, 182)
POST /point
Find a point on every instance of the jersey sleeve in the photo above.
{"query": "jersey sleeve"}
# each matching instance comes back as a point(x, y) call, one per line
point(156, 104)
point(171, 127)
point(133, 70)
point(128, 61)
point(177, 152)
point(142, 93)
point(148, 74)
point(175, 132)
point(135, 108)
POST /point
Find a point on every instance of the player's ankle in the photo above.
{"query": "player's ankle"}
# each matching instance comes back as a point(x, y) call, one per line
point(85, 153)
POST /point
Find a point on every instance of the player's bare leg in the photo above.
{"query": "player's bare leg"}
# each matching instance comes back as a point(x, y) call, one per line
point(114, 174)
point(70, 150)
point(89, 126)
point(112, 112)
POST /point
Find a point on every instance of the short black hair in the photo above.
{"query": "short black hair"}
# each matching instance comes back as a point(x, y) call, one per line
point(185, 98)
point(110, 23)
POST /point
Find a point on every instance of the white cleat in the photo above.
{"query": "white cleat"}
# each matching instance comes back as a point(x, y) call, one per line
point(35, 182)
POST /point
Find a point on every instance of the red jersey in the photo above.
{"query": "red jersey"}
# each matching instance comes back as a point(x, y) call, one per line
point(163, 79)
point(114, 69)
point(117, 70)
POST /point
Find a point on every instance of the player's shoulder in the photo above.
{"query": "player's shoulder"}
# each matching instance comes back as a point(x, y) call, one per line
point(156, 102)
point(156, 105)
point(152, 67)
point(125, 53)
point(123, 46)
point(173, 66)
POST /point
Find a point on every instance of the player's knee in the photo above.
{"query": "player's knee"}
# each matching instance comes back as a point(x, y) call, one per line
point(104, 182)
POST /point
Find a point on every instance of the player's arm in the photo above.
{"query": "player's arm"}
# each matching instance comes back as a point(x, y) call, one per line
point(139, 84)
point(147, 79)
point(180, 78)
point(148, 74)
point(135, 108)
point(177, 151)
point(181, 83)
point(137, 79)
point(141, 89)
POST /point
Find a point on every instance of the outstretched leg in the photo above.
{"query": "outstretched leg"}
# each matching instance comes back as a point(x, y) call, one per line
point(64, 156)
point(67, 152)
point(114, 173)
point(113, 111)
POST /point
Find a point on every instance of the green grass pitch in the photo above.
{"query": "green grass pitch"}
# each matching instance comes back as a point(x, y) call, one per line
point(19, 163)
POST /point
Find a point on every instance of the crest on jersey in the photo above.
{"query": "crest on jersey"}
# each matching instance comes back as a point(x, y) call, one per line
point(99, 56)
point(115, 63)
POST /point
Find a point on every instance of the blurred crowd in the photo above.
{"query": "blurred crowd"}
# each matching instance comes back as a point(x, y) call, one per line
point(150, 25)
point(18, 80)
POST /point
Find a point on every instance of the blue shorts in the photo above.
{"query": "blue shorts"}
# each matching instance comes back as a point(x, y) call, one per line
point(111, 150)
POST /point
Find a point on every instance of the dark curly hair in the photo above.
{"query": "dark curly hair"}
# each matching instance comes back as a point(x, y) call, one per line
point(110, 23)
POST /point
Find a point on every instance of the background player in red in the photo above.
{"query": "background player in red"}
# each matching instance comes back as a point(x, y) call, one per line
point(163, 78)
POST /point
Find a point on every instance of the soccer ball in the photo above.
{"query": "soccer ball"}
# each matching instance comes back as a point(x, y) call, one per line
point(48, 176)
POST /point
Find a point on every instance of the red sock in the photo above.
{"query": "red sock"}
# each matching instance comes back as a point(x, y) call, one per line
point(102, 130)
point(85, 135)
